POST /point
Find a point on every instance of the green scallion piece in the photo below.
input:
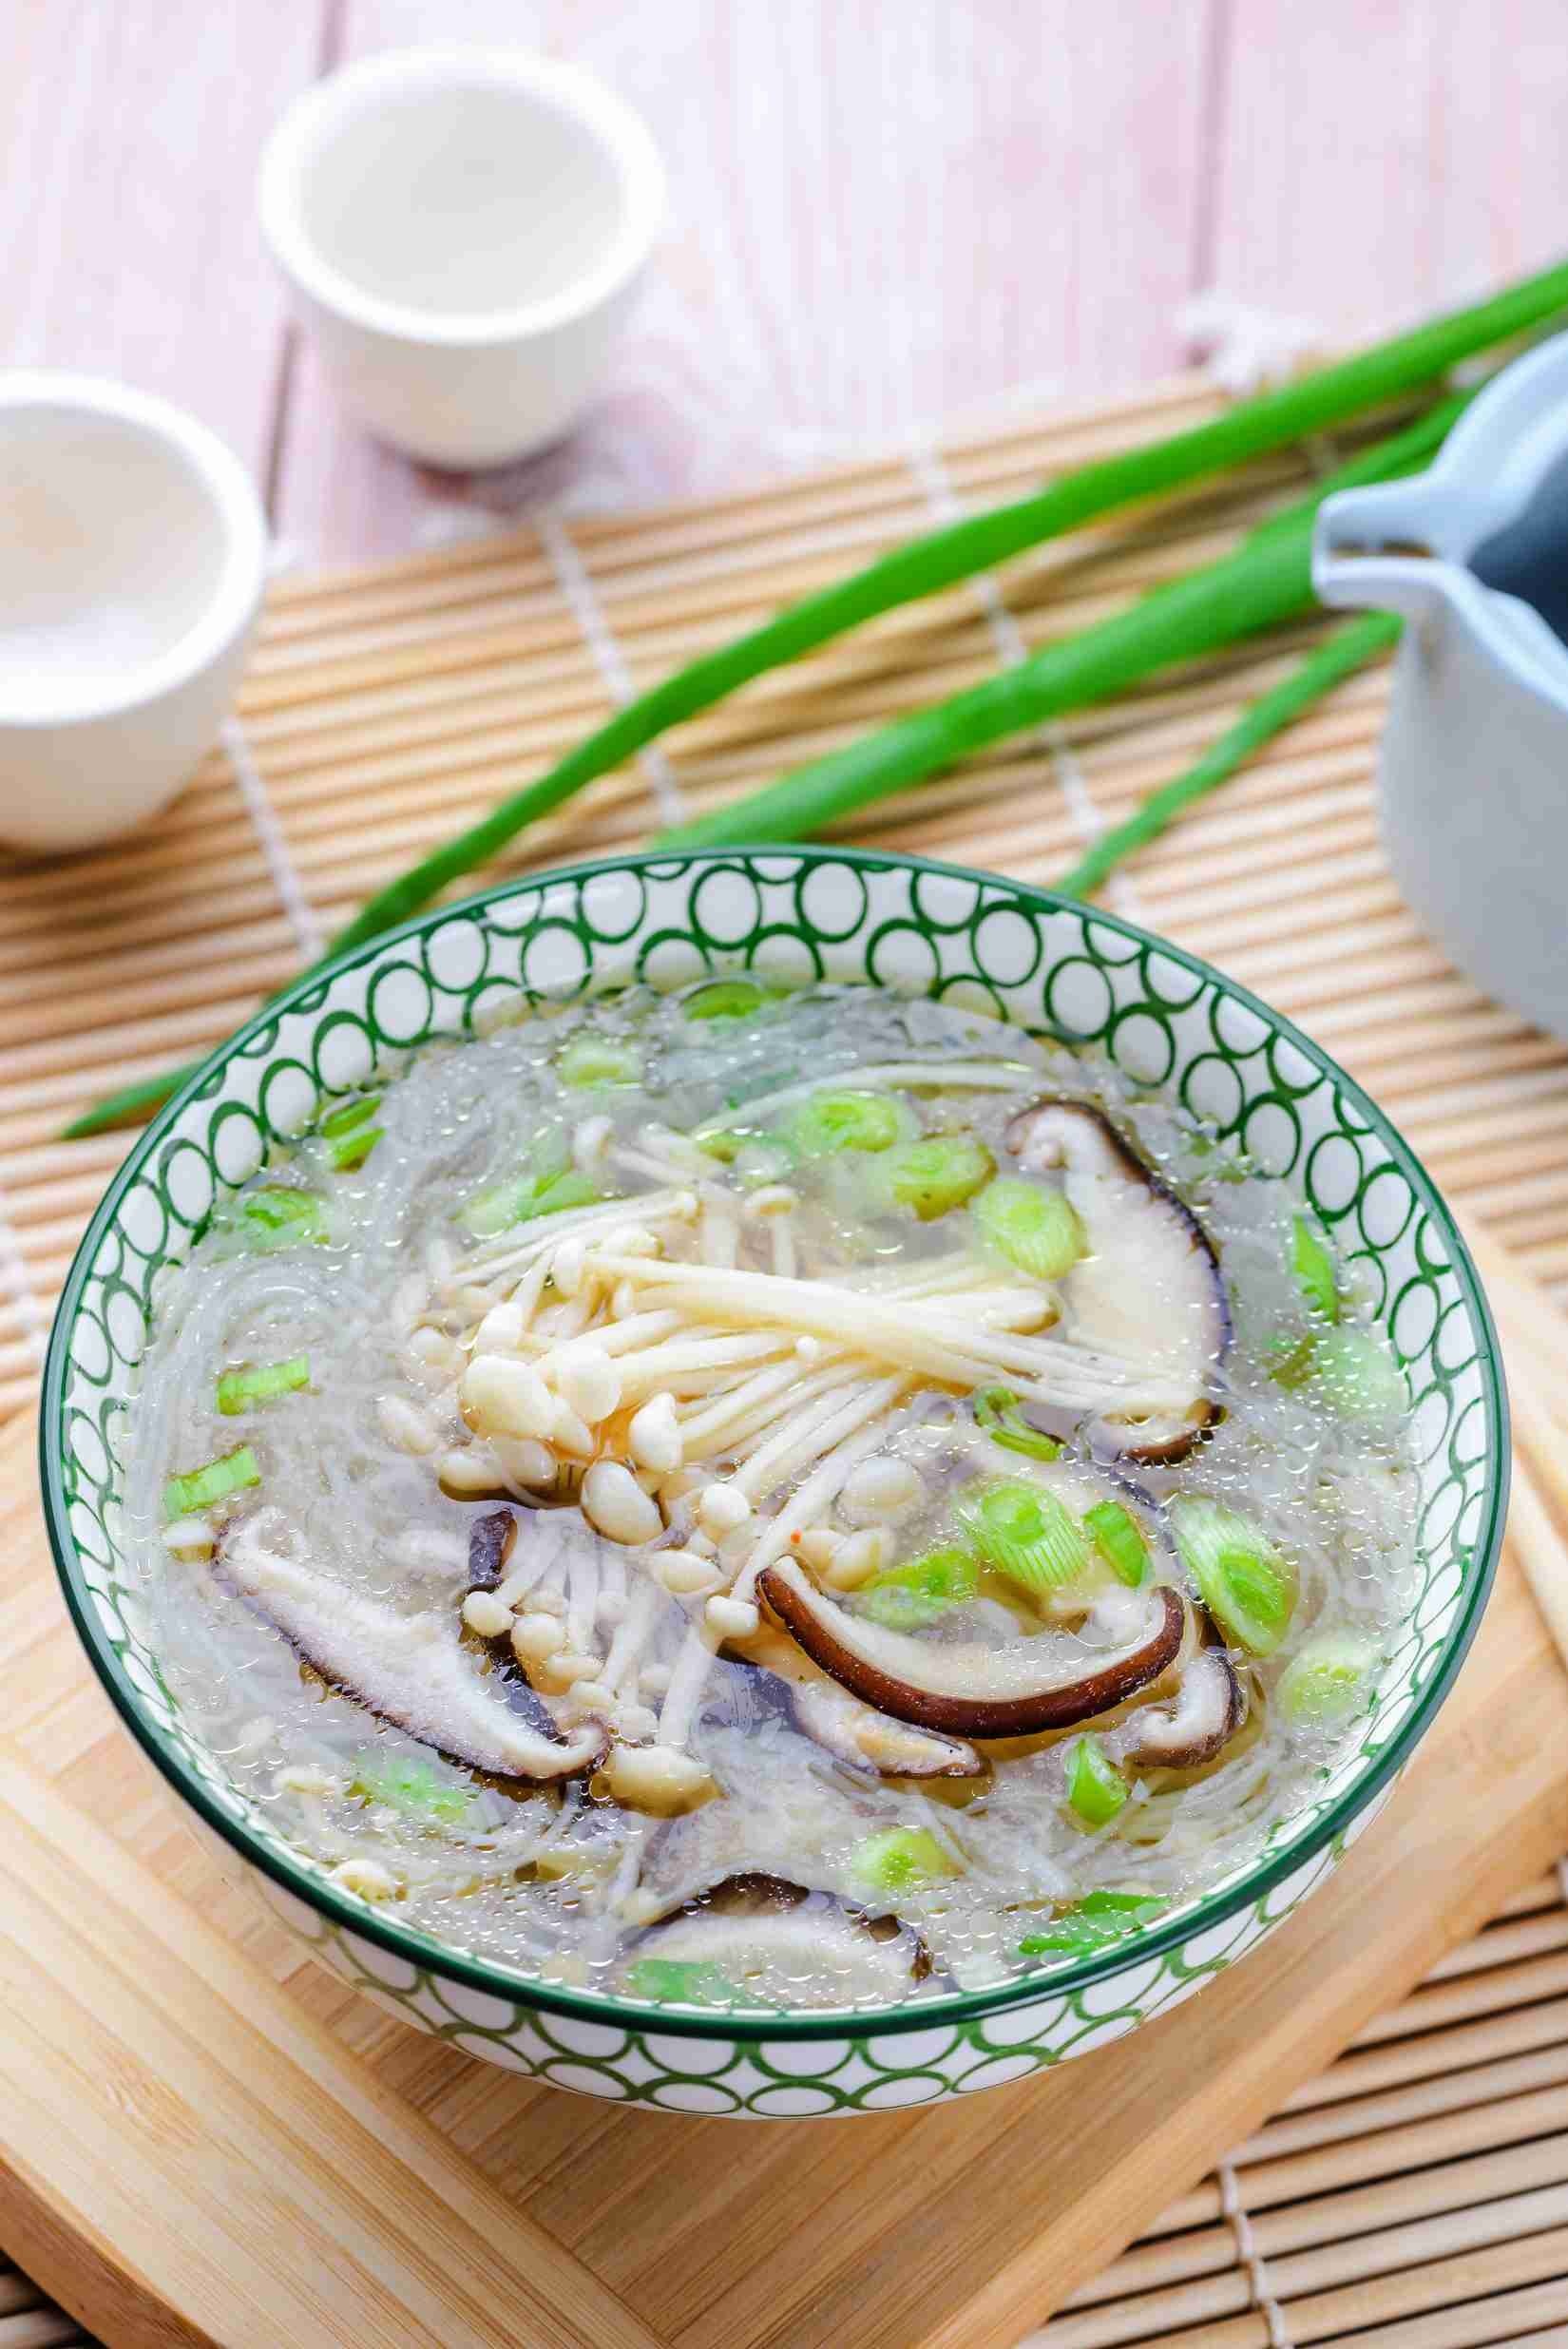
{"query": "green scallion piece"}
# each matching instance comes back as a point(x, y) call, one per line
point(593, 1064)
point(349, 1114)
point(1117, 1535)
point(204, 1488)
point(1313, 1269)
point(935, 1175)
point(1328, 1681)
point(900, 1859)
point(827, 1123)
point(1096, 1789)
point(725, 999)
point(238, 1389)
point(686, 1981)
point(1356, 1375)
point(275, 1216)
point(523, 1199)
point(1093, 1923)
point(1247, 1584)
point(998, 1411)
point(903, 1598)
point(1036, 1229)
point(407, 1784)
point(1025, 1533)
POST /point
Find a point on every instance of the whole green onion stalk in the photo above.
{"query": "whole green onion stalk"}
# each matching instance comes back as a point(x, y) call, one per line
point(938, 560)
point(1268, 578)
point(1325, 667)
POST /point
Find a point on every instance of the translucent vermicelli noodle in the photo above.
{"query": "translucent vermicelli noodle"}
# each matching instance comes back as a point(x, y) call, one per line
point(770, 1497)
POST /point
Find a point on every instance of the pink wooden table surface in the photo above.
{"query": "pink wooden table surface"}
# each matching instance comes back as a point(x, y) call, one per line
point(887, 213)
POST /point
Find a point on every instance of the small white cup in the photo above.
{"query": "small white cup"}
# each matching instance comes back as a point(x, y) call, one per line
point(464, 230)
point(133, 555)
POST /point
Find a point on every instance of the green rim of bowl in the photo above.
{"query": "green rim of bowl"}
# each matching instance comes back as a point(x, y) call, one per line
point(753, 2025)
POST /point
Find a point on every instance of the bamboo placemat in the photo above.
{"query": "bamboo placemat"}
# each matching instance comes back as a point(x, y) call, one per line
point(1419, 2192)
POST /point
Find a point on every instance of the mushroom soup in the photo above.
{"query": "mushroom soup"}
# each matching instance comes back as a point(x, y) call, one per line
point(794, 1498)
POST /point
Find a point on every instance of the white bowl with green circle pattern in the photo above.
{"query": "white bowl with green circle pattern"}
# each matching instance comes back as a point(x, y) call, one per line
point(792, 915)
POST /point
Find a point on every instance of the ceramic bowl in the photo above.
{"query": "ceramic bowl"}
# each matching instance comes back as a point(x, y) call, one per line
point(464, 230)
point(796, 914)
point(132, 563)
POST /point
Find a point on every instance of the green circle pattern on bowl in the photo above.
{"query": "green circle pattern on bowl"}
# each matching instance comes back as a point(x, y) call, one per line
point(792, 915)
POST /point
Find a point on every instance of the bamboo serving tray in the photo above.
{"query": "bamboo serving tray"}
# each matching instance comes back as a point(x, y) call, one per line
point(202, 2137)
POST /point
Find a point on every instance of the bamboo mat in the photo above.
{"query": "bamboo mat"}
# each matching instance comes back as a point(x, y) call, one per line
point(1417, 2192)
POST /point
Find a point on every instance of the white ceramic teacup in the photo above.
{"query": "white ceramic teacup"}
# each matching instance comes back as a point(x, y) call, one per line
point(464, 230)
point(132, 561)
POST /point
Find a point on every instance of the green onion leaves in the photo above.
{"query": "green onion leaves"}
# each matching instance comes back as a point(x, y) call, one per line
point(1246, 1583)
point(523, 1197)
point(414, 1788)
point(1025, 1533)
point(1093, 1923)
point(1096, 1789)
point(238, 1389)
point(1031, 1227)
point(935, 1175)
point(901, 1860)
point(1115, 1533)
point(1328, 1681)
point(204, 1488)
point(905, 1597)
point(827, 1123)
point(1313, 1270)
point(997, 1409)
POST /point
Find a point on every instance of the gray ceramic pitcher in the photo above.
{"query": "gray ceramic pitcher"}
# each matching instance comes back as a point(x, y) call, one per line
point(1474, 773)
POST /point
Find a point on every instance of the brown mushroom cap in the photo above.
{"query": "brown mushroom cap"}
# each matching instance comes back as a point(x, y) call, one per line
point(965, 1690)
point(1150, 1288)
point(1209, 1708)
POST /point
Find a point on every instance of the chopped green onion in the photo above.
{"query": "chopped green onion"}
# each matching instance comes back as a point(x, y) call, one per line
point(1025, 1533)
point(1093, 1923)
point(412, 1786)
point(997, 1411)
point(829, 1122)
point(1313, 1270)
point(350, 1150)
point(1096, 1789)
point(898, 1859)
point(935, 1175)
point(1119, 1539)
point(905, 1597)
point(238, 1389)
point(1033, 1228)
point(725, 999)
point(1327, 1681)
point(202, 1488)
point(348, 1114)
point(590, 1062)
point(275, 1216)
point(1356, 1375)
point(523, 1197)
point(1246, 1583)
point(690, 1980)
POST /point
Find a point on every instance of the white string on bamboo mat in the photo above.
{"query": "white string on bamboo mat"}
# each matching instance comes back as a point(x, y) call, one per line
point(1250, 2257)
point(247, 776)
point(930, 473)
point(571, 576)
point(16, 1283)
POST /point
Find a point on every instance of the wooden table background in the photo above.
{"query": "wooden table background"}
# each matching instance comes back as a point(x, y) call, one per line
point(886, 215)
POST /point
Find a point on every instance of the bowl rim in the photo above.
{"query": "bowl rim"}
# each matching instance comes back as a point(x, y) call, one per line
point(751, 2026)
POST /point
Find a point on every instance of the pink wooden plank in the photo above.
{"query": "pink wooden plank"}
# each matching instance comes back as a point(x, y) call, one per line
point(1377, 158)
point(128, 138)
point(880, 217)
